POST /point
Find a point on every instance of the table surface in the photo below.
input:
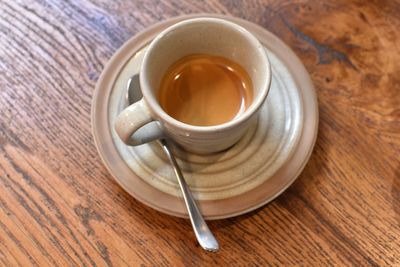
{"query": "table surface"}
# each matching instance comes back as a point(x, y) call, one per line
point(60, 207)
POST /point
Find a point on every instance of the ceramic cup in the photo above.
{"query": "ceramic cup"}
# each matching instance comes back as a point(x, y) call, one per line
point(206, 36)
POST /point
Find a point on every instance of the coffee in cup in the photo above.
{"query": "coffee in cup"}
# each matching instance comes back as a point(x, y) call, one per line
point(205, 90)
point(194, 110)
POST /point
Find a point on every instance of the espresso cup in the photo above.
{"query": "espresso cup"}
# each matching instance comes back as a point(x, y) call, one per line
point(210, 36)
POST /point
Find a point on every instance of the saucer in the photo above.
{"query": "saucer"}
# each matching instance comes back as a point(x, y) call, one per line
point(266, 160)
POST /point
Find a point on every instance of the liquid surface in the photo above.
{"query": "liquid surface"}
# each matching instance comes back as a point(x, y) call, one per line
point(205, 90)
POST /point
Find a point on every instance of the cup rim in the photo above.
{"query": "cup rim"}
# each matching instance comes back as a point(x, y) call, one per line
point(161, 114)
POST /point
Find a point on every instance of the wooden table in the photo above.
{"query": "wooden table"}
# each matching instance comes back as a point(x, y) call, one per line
point(60, 207)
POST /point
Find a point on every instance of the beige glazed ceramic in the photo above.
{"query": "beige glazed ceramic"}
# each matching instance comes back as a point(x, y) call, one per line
point(254, 171)
point(196, 36)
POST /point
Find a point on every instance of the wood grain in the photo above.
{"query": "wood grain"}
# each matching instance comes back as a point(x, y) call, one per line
point(60, 207)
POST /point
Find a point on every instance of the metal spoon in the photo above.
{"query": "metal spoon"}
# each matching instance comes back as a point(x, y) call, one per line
point(203, 234)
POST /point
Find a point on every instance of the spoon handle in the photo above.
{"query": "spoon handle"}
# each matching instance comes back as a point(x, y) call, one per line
point(203, 234)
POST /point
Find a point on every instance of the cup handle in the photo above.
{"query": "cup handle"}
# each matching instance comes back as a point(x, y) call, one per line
point(133, 125)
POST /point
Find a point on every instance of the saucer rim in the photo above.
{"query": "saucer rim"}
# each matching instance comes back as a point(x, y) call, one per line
point(142, 39)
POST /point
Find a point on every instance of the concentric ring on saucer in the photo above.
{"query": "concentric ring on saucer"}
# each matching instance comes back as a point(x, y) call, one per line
point(263, 150)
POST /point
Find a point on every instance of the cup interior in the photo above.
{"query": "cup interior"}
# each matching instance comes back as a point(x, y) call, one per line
point(206, 36)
